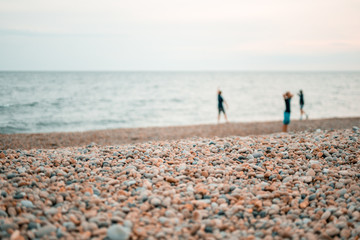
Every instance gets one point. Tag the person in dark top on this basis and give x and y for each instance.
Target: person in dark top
(302, 102)
(287, 97)
(221, 106)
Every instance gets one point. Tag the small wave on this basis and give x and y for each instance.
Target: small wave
(177, 100)
(58, 123)
(11, 130)
(17, 105)
(4, 106)
(108, 121)
(106, 100)
(47, 124)
(50, 126)
(32, 104)
(56, 104)
(144, 101)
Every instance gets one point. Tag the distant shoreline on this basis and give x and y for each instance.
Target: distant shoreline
(136, 135)
(179, 71)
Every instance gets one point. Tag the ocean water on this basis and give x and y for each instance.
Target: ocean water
(32, 102)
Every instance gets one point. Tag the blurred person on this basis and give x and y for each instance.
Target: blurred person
(287, 98)
(221, 106)
(302, 102)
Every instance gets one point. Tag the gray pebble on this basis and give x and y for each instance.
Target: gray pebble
(257, 154)
(3, 213)
(118, 232)
(342, 192)
(19, 195)
(46, 230)
(69, 225)
(27, 203)
(339, 185)
(33, 225)
(250, 156)
(155, 202)
(21, 170)
(312, 197)
(11, 175)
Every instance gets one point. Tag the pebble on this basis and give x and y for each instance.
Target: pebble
(118, 232)
(339, 185)
(46, 230)
(27, 203)
(3, 213)
(208, 229)
(312, 197)
(69, 226)
(311, 173)
(21, 170)
(33, 225)
(19, 195)
(12, 211)
(307, 179)
(326, 215)
(332, 231)
(341, 192)
(155, 202)
(11, 176)
(345, 233)
(257, 154)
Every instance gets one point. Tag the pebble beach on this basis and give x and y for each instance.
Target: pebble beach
(257, 184)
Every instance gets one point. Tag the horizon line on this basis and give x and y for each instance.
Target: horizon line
(179, 70)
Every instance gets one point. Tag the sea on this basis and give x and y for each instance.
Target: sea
(38, 102)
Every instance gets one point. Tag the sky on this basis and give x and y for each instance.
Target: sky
(177, 35)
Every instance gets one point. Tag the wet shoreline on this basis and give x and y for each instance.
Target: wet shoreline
(138, 135)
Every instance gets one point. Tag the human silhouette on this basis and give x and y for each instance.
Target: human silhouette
(302, 103)
(221, 106)
(287, 98)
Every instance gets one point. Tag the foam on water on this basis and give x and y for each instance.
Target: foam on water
(79, 101)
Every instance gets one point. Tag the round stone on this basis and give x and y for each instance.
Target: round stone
(118, 232)
(27, 204)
